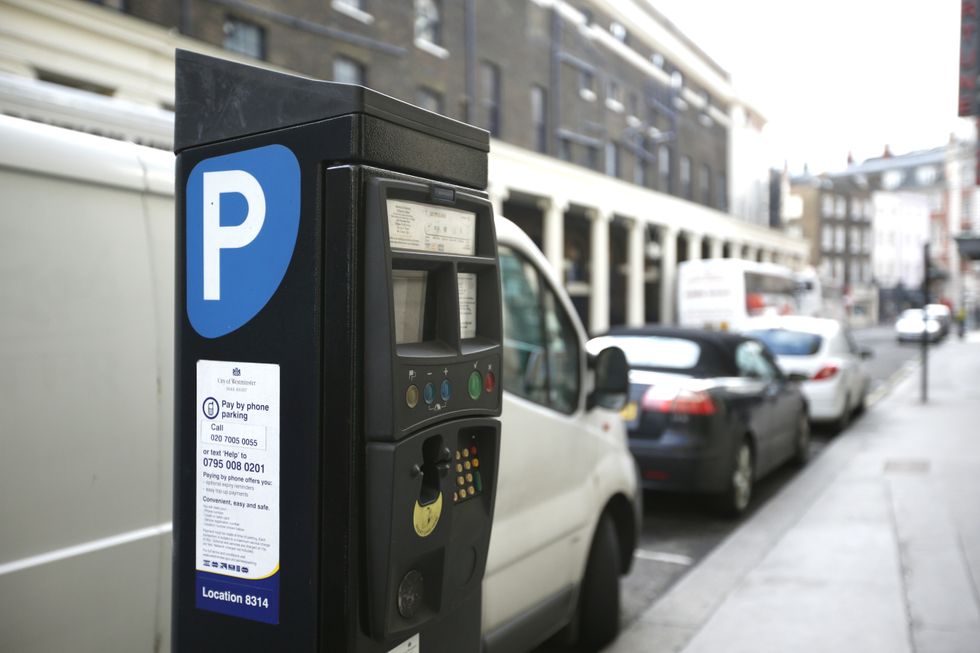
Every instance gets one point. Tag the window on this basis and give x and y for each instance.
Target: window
(839, 269)
(539, 118)
(855, 272)
(490, 96)
(685, 173)
(657, 60)
(704, 184)
(663, 167)
(565, 149)
(840, 205)
(828, 237)
(592, 157)
(633, 104)
(640, 171)
(244, 37)
(612, 159)
(430, 100)
(840, 239)
(676, 80)
(428, 21)
(586, 82)
(348, 71)
(614, 95)
(752, 363)
(721, 190)
(855, 240)
(541, 354)
(827, 206)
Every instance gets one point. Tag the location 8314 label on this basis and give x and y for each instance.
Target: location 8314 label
(237, 535)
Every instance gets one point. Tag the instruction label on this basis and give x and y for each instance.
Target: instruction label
(428, 228)
(237, 539)
(467, 304)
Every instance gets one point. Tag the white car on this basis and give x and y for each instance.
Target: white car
(822, 355)
(911, 323)
(86, 358)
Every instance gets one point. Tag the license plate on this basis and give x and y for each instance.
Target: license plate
(629, 412)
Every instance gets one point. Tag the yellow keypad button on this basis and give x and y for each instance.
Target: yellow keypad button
(466, 453)
(462, 494)
(469, 478)
(466, 465)
(471, 490)
(457, 455)
(476, 462)
(459, 468)
(460, 481)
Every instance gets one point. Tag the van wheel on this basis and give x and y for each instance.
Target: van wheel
(598, 611)
(733, 501)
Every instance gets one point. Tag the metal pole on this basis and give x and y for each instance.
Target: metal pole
(925, 324)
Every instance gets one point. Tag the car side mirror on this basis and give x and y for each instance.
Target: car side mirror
(865, 353)
(612, 379)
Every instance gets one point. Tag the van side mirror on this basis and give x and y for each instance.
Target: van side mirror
(612, 382)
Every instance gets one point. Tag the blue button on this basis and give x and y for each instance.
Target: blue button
(446, 390)
(429, 393)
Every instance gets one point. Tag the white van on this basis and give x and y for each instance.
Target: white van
(86, 403)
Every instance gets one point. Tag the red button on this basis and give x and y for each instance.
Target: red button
(489, 382)
(473, 450)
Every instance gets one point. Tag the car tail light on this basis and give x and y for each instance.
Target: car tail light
(683, 402)
(693, 403)
(825, 372)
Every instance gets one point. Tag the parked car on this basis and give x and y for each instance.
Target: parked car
(709, 412)
(942, 314)
(912, 322)
(87, 251)
(822, 355)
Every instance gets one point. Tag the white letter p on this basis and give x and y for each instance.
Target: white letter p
(217, 237)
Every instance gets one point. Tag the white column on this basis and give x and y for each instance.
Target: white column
(749, 252)
(694, 246)
(738, 250)
(766, 256)
(668, 273)
(554, 233)
(717, 248)
(599, 278)
(498, 195)
(635, 295)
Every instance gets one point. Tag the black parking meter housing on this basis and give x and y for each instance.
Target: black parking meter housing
(338, 350)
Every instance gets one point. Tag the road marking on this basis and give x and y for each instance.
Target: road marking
(882, 391)
(82, 549)
(660, 556)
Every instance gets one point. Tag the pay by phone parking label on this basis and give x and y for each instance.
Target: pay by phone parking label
(237, 506)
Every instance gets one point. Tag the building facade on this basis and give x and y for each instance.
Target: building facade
(617, 144)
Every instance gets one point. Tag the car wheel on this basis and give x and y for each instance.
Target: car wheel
(802, 452)
(598, 613)
(736, 498)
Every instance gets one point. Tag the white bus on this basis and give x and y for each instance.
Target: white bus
(719, 293)
(819, 297)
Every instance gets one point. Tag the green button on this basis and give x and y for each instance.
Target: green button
(479, 482)
(475, 385)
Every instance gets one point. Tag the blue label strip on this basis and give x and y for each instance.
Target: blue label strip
(257, 600)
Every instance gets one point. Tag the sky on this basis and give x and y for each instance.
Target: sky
(836, 76)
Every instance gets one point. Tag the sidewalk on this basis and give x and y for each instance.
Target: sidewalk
(875, 547)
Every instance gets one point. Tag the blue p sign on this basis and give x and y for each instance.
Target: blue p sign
(242, 220)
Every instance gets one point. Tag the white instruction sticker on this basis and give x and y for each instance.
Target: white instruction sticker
(467, 304)
(238, 488)
(410, 645)
(429, 228)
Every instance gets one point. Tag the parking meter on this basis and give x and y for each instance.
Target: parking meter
(338, 347)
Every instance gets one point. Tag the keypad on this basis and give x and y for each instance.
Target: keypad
(468, 482)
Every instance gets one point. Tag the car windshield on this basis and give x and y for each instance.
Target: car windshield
(783, 342)
(655, 352)
(911, 314)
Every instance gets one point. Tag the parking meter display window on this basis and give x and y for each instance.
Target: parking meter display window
(408, 303)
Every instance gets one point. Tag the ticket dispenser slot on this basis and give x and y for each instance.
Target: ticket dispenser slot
(336, 280)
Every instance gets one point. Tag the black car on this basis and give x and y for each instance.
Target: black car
(709, 412)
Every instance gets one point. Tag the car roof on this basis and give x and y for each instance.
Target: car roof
(717, 347)
(823, 326)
